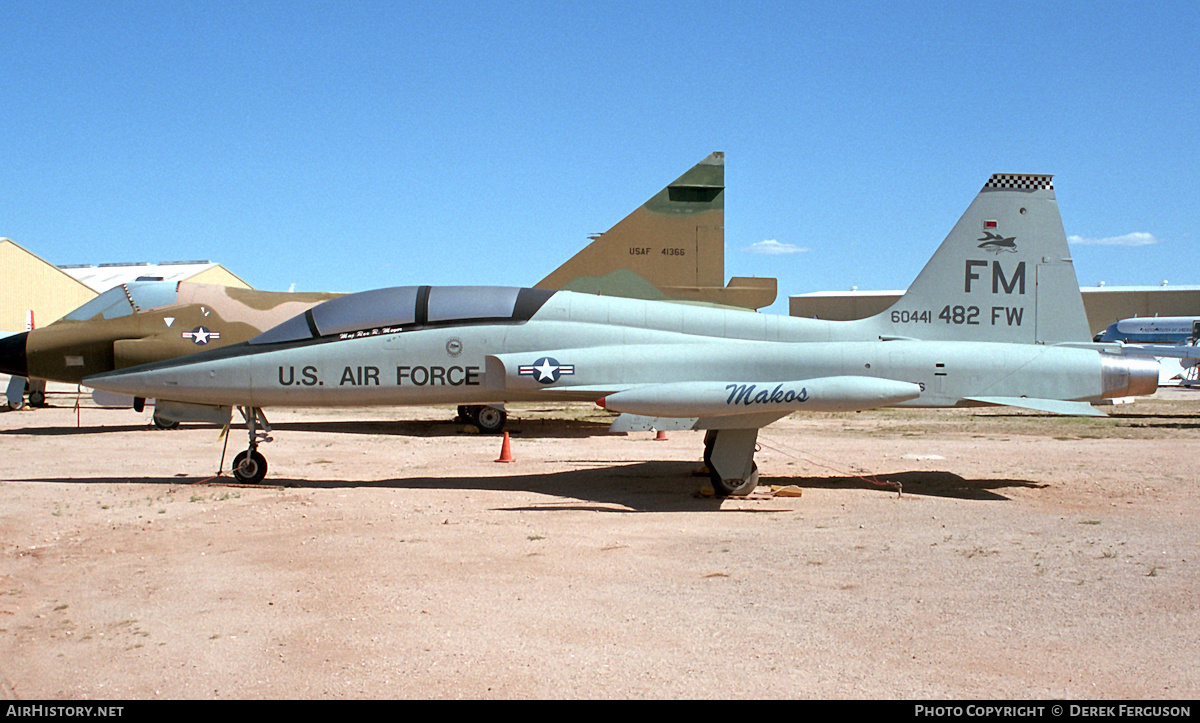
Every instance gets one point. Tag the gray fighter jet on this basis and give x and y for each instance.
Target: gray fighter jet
(670, 248)
(974, 329)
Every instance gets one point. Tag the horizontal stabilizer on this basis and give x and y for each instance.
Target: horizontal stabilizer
(1054, 406)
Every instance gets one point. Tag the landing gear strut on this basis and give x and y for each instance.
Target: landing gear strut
(250, 467)
(729, 456)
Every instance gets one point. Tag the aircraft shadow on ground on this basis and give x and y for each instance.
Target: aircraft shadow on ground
(928, 483)
(1158, 421)
(641, 487)
(665, 486)
(1136, 419)
(557, 428)
(552, 428)
(82, 430)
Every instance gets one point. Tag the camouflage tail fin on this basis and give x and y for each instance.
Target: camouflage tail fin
(1003, 274)
(672, 247)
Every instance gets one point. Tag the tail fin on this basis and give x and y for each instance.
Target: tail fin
(672, 247)
(1003, 274)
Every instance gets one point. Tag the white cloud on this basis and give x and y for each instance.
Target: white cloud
(774, 248)
(1138, 238)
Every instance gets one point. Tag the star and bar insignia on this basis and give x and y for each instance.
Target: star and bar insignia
(546, 370)
(201, 336)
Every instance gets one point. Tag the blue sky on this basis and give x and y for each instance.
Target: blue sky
(351, 145)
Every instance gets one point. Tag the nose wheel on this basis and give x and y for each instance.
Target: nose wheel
(250, 467)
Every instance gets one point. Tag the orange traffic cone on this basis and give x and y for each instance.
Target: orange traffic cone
(661, 436)
(505, 451)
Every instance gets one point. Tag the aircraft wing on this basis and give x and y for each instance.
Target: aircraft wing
(643, 423)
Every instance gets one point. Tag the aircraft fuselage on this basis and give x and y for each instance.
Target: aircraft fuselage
(567, 351)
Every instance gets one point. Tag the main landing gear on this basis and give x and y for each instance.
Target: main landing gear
(20, 387)
(489, 420)
(250, 467)
(163, 422)
(729, 456)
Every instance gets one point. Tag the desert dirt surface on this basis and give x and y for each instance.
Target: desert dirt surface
(388, 555)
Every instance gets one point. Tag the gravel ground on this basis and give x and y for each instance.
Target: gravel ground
(935, 554)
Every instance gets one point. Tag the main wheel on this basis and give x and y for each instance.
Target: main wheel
(490, 420)
(727, 487)
(164, 423)
(250, 467)
(37, 398)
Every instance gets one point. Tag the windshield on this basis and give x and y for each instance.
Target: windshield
(152, 294)
(126, 299)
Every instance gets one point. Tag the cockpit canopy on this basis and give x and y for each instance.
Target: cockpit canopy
(399, 308)
(127, 299)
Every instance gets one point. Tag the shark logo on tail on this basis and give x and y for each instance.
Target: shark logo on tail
(996, 243)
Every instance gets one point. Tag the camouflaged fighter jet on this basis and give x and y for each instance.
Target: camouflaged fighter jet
(672, 247)
(974, 329)
(147, 321)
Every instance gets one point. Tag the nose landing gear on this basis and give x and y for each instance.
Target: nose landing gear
(250, 467)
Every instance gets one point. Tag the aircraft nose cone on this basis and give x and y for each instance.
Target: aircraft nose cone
(12, 355)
